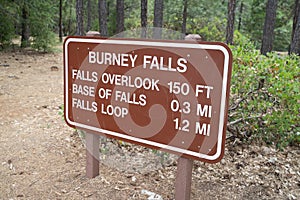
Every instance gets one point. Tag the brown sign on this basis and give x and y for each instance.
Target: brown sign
(169, 95)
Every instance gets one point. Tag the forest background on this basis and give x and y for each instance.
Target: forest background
(264, 36)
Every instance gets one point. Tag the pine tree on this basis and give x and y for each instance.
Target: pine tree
(25, 26)
(120, 16)
(184, 17)
(295, 44)
(269, 26)
(79, 17)
(230, 21)
(89, 16)
(103, 18)
(60, 34)
(144, 18)
(158, 18)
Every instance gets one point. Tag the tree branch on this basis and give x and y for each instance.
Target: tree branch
(242, 119)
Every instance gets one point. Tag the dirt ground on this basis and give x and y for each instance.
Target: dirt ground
(42, 158)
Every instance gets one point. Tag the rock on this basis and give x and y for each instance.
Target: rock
(290, 196)
(92, 33)
(223, 162)
(193, 37)
(265, 151)
(4, 65)
(54, 68)
(13, 76)
(133, 181)
(272, 160)
(152, 195)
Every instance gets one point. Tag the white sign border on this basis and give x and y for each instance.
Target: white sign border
(155, 44)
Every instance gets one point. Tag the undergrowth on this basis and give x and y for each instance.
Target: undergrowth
(265, 99)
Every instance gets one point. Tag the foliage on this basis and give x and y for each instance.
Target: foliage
(132, 15)
(69, 17)
(61, 112)
(210, 30)
(173, 15)
(242, 42)
(265, 96)
(41, 30)
(253, 22)
(112, 18)
(7, 20)
(41, 21)
(284, 23)
(207, 18)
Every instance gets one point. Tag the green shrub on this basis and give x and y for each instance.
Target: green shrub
(210, 30)
(6, 29)
(44, 41)
(265, 96)
(41, 22)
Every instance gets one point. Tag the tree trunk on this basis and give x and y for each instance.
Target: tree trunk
(268, 33)
(79, 17)
(70, 14)
(107, 9)
(240, 16)
(295, 44)
(184, 17)
(60, 21)
(120, 16)
(158, 18)
(25, 27)
(230, 22)
(103, 18)
(89, 16)
(296, 14)
(144, 18)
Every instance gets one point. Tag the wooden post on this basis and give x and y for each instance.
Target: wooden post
(92, 155)
(92, 143)
(183, 179)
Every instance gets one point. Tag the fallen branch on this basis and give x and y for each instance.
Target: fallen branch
(242, 99)
(243, 119)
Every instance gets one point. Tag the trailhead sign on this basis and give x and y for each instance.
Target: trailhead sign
(168, 95)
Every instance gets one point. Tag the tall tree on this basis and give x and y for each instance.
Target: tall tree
(158, 18)
(120, 16)
(296, 14)
(79, 17)
(184, 17)
(240, 15)
(89, 16)
(230, 21)
(295, 44)
(103, 18)
(144, 8)
(25, 26)
(269, 26)
(69, 18)
(60, 21)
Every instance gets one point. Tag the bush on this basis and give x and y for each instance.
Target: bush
(210, 30)
(265, 96)
(41, 22)
(6, 29)
(44, 41)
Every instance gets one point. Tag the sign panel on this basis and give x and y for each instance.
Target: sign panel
(168, 95)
